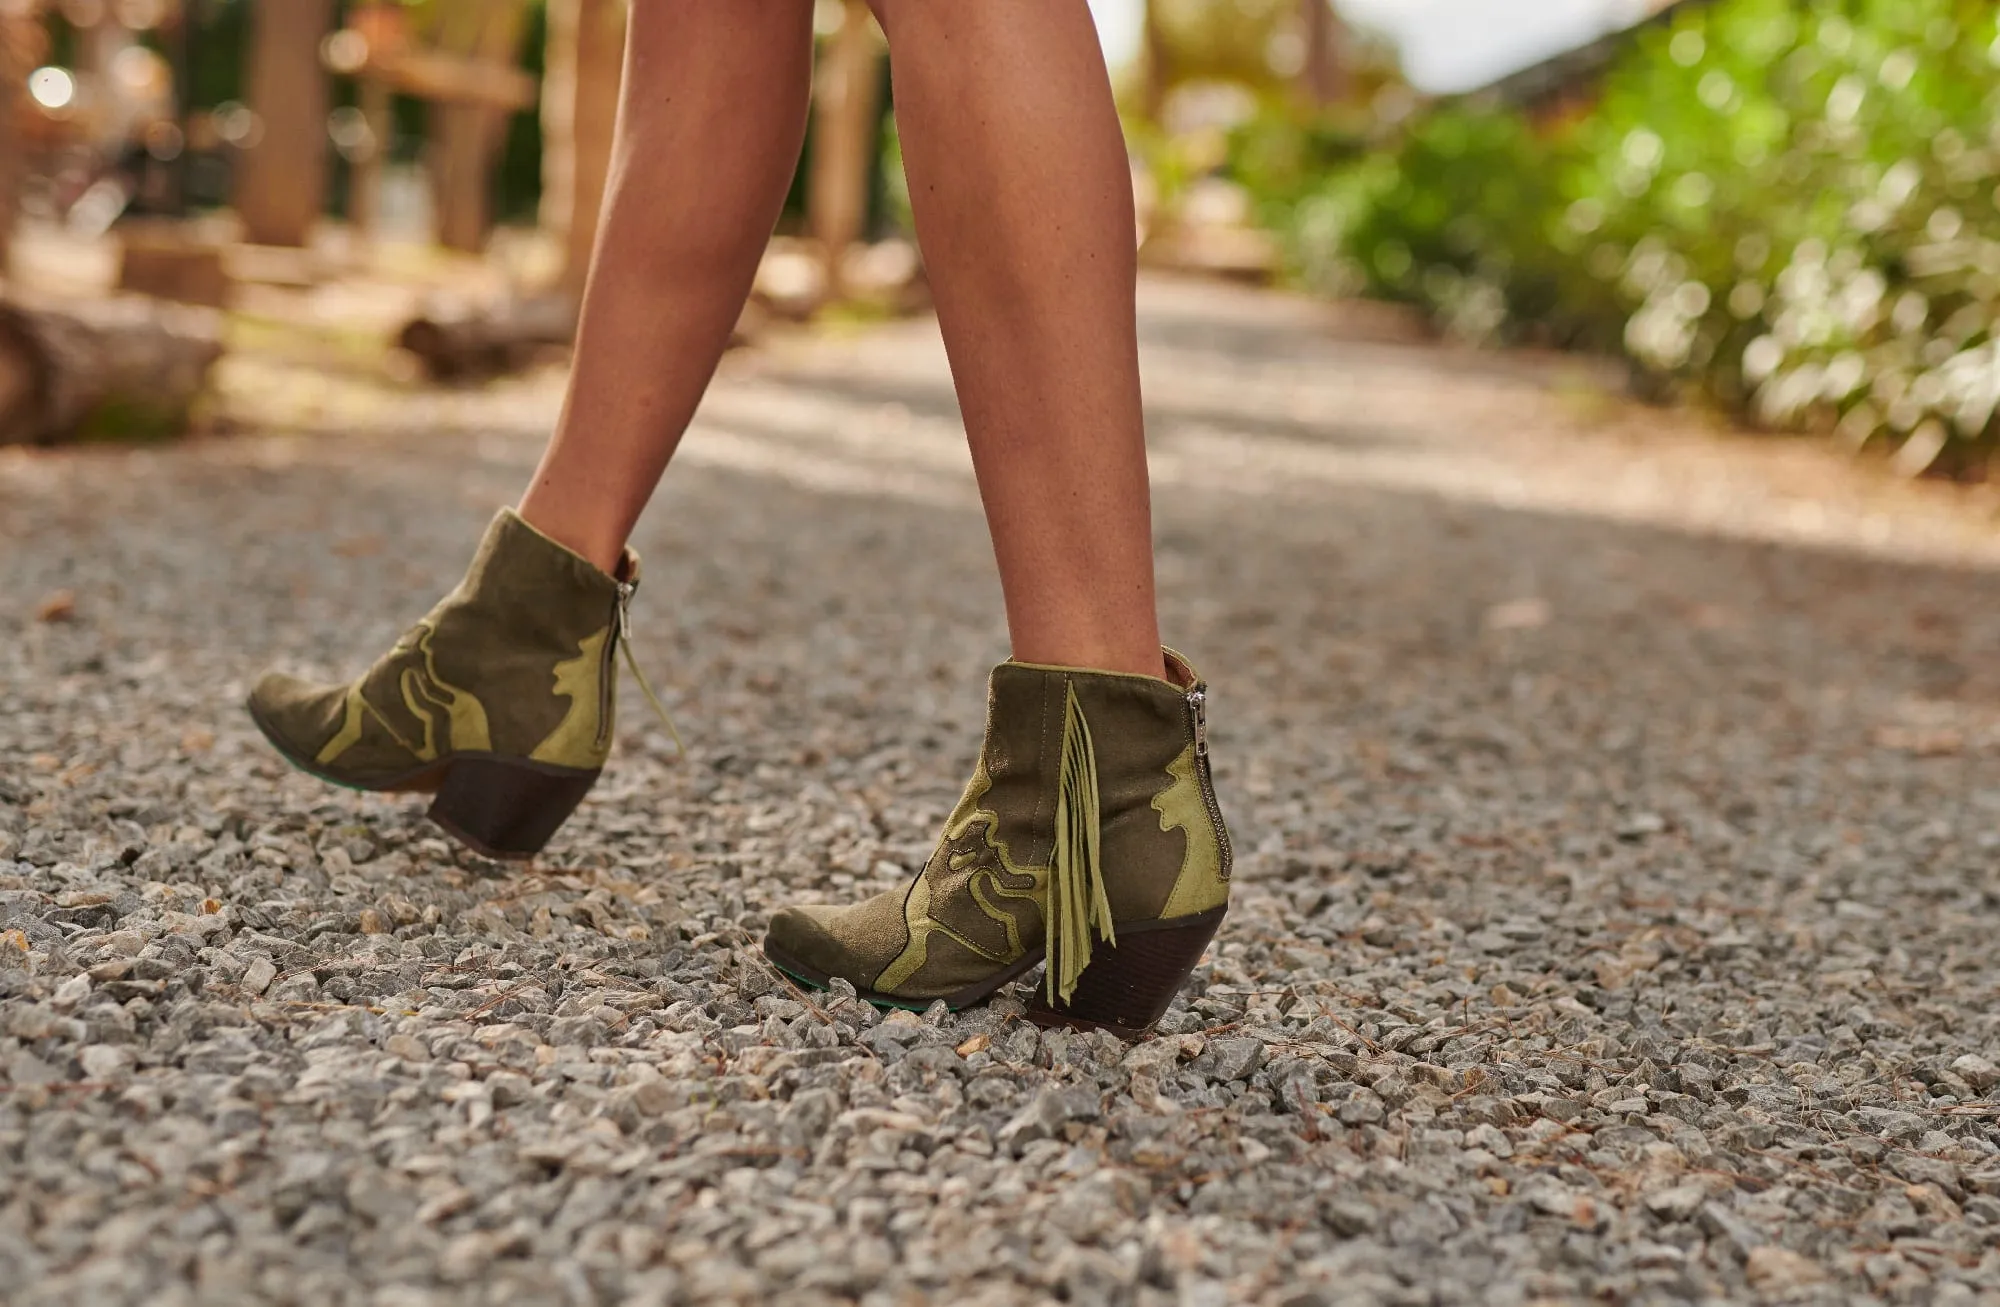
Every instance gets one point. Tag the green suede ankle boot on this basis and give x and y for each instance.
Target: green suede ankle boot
(1088, 839)
(500, 701)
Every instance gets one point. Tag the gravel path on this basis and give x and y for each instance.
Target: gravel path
(1618, 805)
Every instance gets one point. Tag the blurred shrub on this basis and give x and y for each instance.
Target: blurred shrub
(1283, 156)
(1789, 207)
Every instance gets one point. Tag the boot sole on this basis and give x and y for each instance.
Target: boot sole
(502, 808)
(1126, 989)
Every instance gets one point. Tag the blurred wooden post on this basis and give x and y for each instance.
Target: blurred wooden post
(281, 185)
(583, 71)
(1323, 79)
(848, 113)
(465, 134)
(1156, 64)
(364, 192)
(384, 33)
(15, 53)
(470, 97)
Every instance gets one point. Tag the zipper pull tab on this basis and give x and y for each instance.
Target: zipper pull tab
(625, 590)
(1198, 705)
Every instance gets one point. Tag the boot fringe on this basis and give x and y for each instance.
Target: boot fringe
(1078, 907)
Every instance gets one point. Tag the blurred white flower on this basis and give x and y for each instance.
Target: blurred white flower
(1898, 68)
(1586, 215)
(1647, 267)
(1920, 450)
(1859, 424)
(1843, 375)
(1716, 89)
(1761, 358)
(1899, 183)
(1927, 390)
(1972, 385)
(1694, 190)
(1860, 300)
(1868, 216)
(1786, 394)
(1643, 149)
(1911, 312)
(1846, 99)
(1905, 412)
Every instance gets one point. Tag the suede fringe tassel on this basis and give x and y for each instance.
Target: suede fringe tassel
(1077, 906)
(625, 589)
(646, 687)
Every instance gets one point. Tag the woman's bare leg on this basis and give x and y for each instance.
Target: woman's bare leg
(709, 129)
(1024, 205)
(1023, 202)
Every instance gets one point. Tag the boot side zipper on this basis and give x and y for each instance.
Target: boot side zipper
(621, 630)
(619, 639)
(1197, 700)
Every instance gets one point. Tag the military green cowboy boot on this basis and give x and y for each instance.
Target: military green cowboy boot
(500, 701)
(1089, 840)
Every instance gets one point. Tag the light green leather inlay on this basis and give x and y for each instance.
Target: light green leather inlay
(349, 733)
(1200, 885)
(465, 715)
(574, 741)
(917, 906)
(428, 697)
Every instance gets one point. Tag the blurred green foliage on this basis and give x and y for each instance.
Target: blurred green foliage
(1786, 206)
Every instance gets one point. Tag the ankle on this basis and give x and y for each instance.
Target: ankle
(581, 536)
(1148, 660)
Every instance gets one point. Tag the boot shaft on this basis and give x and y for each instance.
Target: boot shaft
(514, 663)
(1163, 847)
(535, 628)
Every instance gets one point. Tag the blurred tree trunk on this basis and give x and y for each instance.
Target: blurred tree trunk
(364, 179)
(584, 68)
(15, 52)
(1324, 77)
(1158, 63)
(466, 137)
(281, 185)
(849, 115)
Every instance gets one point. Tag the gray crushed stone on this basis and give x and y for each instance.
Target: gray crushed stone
(1615, 919)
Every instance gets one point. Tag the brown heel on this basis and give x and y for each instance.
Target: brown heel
(1128, 987)
(507, 809)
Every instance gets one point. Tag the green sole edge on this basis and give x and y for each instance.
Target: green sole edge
(818, 987)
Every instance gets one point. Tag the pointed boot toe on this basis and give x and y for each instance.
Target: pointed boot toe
(308, 723)
(296, 715)
(809, 943)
